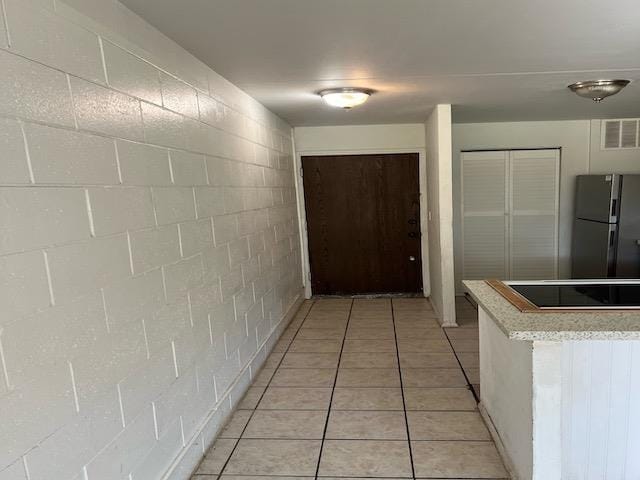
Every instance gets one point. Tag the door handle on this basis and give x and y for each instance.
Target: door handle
(413, 221)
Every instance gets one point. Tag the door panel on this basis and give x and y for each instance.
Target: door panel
(484, 207)
(591, 249)
(363, 221)
(533, 247)
(628, 254)
(484, 248)
(594, 194)
(483, 182)
(533, 208)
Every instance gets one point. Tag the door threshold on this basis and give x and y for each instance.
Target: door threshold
(373, 295)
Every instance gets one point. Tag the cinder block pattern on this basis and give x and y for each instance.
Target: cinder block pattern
(35, 92)
(38, 217)
(162, 127)
(81, 268)
(106, 111)
(117, 209)
(179, 96)
(188, 168)
(209, 201)
(24, 286)
(148, 248)
(196, 236)
(131, 74)
(14, 167)
(181, 277)
(142, 164)
(154, 247)
(173, 204)
(67, 157)
(52, 40)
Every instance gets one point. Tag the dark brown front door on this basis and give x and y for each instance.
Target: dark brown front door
(363, 221)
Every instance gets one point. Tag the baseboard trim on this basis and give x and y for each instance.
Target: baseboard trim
(506, 459)
(439, 315)
(195, 448)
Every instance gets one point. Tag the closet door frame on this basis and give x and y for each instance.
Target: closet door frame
(508, 204)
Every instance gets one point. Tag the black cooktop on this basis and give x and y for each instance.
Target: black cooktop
(596, 295)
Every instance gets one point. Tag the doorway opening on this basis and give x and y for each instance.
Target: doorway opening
(363, 223)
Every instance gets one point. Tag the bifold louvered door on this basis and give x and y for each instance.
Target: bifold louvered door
(510, 214)
(484, 208)
(533, 214)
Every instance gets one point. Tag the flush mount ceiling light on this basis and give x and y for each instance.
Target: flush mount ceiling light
(597, 90)
(345, 98)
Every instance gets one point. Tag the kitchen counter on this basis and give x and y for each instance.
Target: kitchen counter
(554, 326)
(559, 389)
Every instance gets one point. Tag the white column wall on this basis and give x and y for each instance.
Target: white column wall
(440, 214)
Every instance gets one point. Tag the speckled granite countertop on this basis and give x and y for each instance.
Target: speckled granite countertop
(554, 326)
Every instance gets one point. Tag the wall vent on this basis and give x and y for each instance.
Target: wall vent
(620, 133)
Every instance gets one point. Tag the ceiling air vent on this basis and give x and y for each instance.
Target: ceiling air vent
(622, 133)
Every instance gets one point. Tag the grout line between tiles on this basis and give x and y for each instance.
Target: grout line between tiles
(333, 390)
(404, 402)
(353, 409)
(206, 475)
(368, 439)
(464, 372)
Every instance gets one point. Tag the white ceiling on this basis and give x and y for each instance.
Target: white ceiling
(494, 60)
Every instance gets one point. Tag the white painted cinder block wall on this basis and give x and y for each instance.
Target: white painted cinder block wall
(149, 247)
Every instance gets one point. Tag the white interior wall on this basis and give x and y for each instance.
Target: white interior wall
(360, 139)
(581, 154)
(149, 248)
(571, 136)
(440, 214)
(611, 161)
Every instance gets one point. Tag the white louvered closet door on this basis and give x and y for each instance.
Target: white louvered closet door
(484, 208)
(533, 214)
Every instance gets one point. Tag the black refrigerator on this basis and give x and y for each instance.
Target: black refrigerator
(606, 227)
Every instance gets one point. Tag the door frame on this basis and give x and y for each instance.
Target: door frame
(302, 213)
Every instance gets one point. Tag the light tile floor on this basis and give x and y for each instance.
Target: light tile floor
(365, 388)
(464, 340)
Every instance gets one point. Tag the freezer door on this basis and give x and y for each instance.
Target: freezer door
(597, 197)
(592, 254)
(628, 251)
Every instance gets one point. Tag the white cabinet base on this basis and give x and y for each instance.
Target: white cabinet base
(562, 410)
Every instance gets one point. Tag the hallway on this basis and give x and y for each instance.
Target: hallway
(358, 388)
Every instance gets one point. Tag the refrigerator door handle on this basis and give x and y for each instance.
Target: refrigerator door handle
(612, 251)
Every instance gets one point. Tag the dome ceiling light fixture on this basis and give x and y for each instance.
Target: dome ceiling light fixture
(598, 90)
(345, 98)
